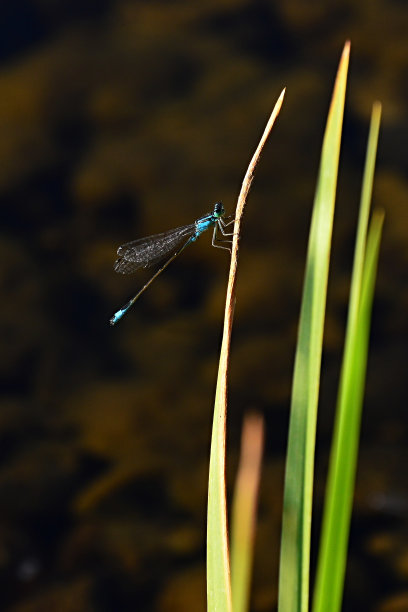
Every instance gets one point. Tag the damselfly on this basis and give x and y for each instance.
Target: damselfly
(148, 251)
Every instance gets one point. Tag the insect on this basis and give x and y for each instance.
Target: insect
(146, 252)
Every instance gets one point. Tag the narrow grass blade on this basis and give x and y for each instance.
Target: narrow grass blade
(295, 546)
(218, 565)
(342, 469)
(244, 506)
(218, 571)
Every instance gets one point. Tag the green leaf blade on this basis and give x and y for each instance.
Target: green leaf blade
(342, 469)
(295, 546)
(218, 566)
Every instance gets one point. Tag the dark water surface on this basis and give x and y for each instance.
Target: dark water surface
(122, 119)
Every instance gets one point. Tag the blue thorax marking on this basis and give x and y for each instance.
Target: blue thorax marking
(204, 223)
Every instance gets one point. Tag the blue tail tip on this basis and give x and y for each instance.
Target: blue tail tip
(116, 317)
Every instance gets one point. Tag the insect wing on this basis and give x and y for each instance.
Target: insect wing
(146, 252)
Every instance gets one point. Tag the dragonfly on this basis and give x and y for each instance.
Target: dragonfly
(149, 251)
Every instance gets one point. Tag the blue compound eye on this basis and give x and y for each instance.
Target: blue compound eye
(219, 209)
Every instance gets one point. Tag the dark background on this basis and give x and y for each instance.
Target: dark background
(120, 119)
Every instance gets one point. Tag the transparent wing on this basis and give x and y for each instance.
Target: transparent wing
(146, 252)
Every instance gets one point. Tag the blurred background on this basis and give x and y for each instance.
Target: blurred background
(120, 119)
